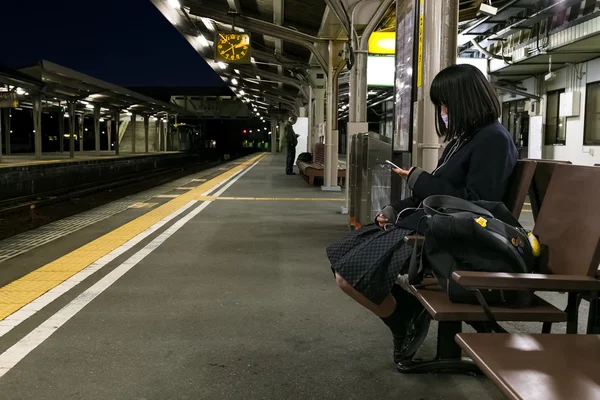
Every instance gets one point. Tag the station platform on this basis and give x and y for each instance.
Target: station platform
(23, 175)
(28, 159)
(215, 286)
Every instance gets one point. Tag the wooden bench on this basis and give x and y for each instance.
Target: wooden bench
(568, 225)
(538, 367)
(316, 168)
(539, 184)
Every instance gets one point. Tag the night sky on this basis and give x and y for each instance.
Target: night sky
(125, 42)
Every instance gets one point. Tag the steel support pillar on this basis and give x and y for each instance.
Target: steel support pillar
(97, 129)
(81, 131)
(117, 121)
(133, 122)
(6, 128)
(360, 91)
(109, 134)
(331, 135)
(157, 135)
(61, 130)
(319, 112)
(273, 135)
(439, 51)
(37, 127)
(146, 132)
(166, 134)
(281, 134)
(311, 119)
(72, 129)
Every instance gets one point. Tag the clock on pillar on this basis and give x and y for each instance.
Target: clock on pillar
(233, 47)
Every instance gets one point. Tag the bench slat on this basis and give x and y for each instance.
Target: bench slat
(538, 367)
(539, 282)
(442, 309)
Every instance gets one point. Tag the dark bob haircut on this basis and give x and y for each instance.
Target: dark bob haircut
(471, 100)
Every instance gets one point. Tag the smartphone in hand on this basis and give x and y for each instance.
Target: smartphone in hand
(392, 164)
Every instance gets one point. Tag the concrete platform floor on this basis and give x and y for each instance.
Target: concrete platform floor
(239, 302)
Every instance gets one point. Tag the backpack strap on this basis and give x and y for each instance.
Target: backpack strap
(433, 204)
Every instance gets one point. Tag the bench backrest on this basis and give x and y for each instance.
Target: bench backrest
(539, 184)
(319, 153)
(519, 183)
(569, 220)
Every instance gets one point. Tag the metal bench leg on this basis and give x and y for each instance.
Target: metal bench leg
(547, 327)
(593, 325)
(449, 354)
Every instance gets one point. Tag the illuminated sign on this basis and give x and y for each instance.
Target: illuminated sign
(380, 70)
(382, 43)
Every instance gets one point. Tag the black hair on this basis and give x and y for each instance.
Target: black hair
(471, 100)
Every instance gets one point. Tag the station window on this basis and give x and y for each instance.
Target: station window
(556, 127)
(592, 115)
(516, 120)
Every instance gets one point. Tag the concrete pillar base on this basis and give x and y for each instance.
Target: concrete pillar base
(331, 188)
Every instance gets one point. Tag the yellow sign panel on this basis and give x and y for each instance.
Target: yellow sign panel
(382, 43)
(233, 47)
(420, 55)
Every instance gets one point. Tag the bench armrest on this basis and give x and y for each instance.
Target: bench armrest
(538, 282)
(411, 239)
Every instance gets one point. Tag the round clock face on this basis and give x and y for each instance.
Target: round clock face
(233, 46)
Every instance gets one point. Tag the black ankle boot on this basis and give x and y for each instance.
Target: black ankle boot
(398, 322)
(409, 324)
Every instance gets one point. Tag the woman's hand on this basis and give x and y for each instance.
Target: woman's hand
(381, 220)
(402, 172)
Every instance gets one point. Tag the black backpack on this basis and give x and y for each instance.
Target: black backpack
(473, 236)
(305, 157)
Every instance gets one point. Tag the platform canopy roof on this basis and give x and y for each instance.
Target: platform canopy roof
(288, 37)
(58, 85)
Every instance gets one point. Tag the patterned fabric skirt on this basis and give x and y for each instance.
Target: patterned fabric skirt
(370, 259)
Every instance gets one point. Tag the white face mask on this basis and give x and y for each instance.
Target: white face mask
(445, 119)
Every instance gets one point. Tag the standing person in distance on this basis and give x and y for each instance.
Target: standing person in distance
(291, 140)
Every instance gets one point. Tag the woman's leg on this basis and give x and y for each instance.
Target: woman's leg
(395, 311)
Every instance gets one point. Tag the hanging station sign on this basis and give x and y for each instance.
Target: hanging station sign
(233, 47)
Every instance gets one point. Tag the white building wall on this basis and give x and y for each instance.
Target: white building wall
(574, 150)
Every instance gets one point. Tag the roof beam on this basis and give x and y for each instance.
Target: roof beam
(278, 59)
(234, 5)
(275, 77)
(312, 43)
(278, 20)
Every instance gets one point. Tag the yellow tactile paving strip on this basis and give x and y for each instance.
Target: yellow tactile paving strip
(28, 288)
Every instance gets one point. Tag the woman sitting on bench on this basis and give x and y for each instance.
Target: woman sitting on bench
(475, 165)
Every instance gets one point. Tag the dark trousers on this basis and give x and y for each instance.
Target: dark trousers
(291, 157)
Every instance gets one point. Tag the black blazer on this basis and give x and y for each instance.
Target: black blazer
(473, 168)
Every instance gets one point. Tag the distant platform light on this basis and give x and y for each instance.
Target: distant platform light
(234, 81)
(222, 65)
(174, 4)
